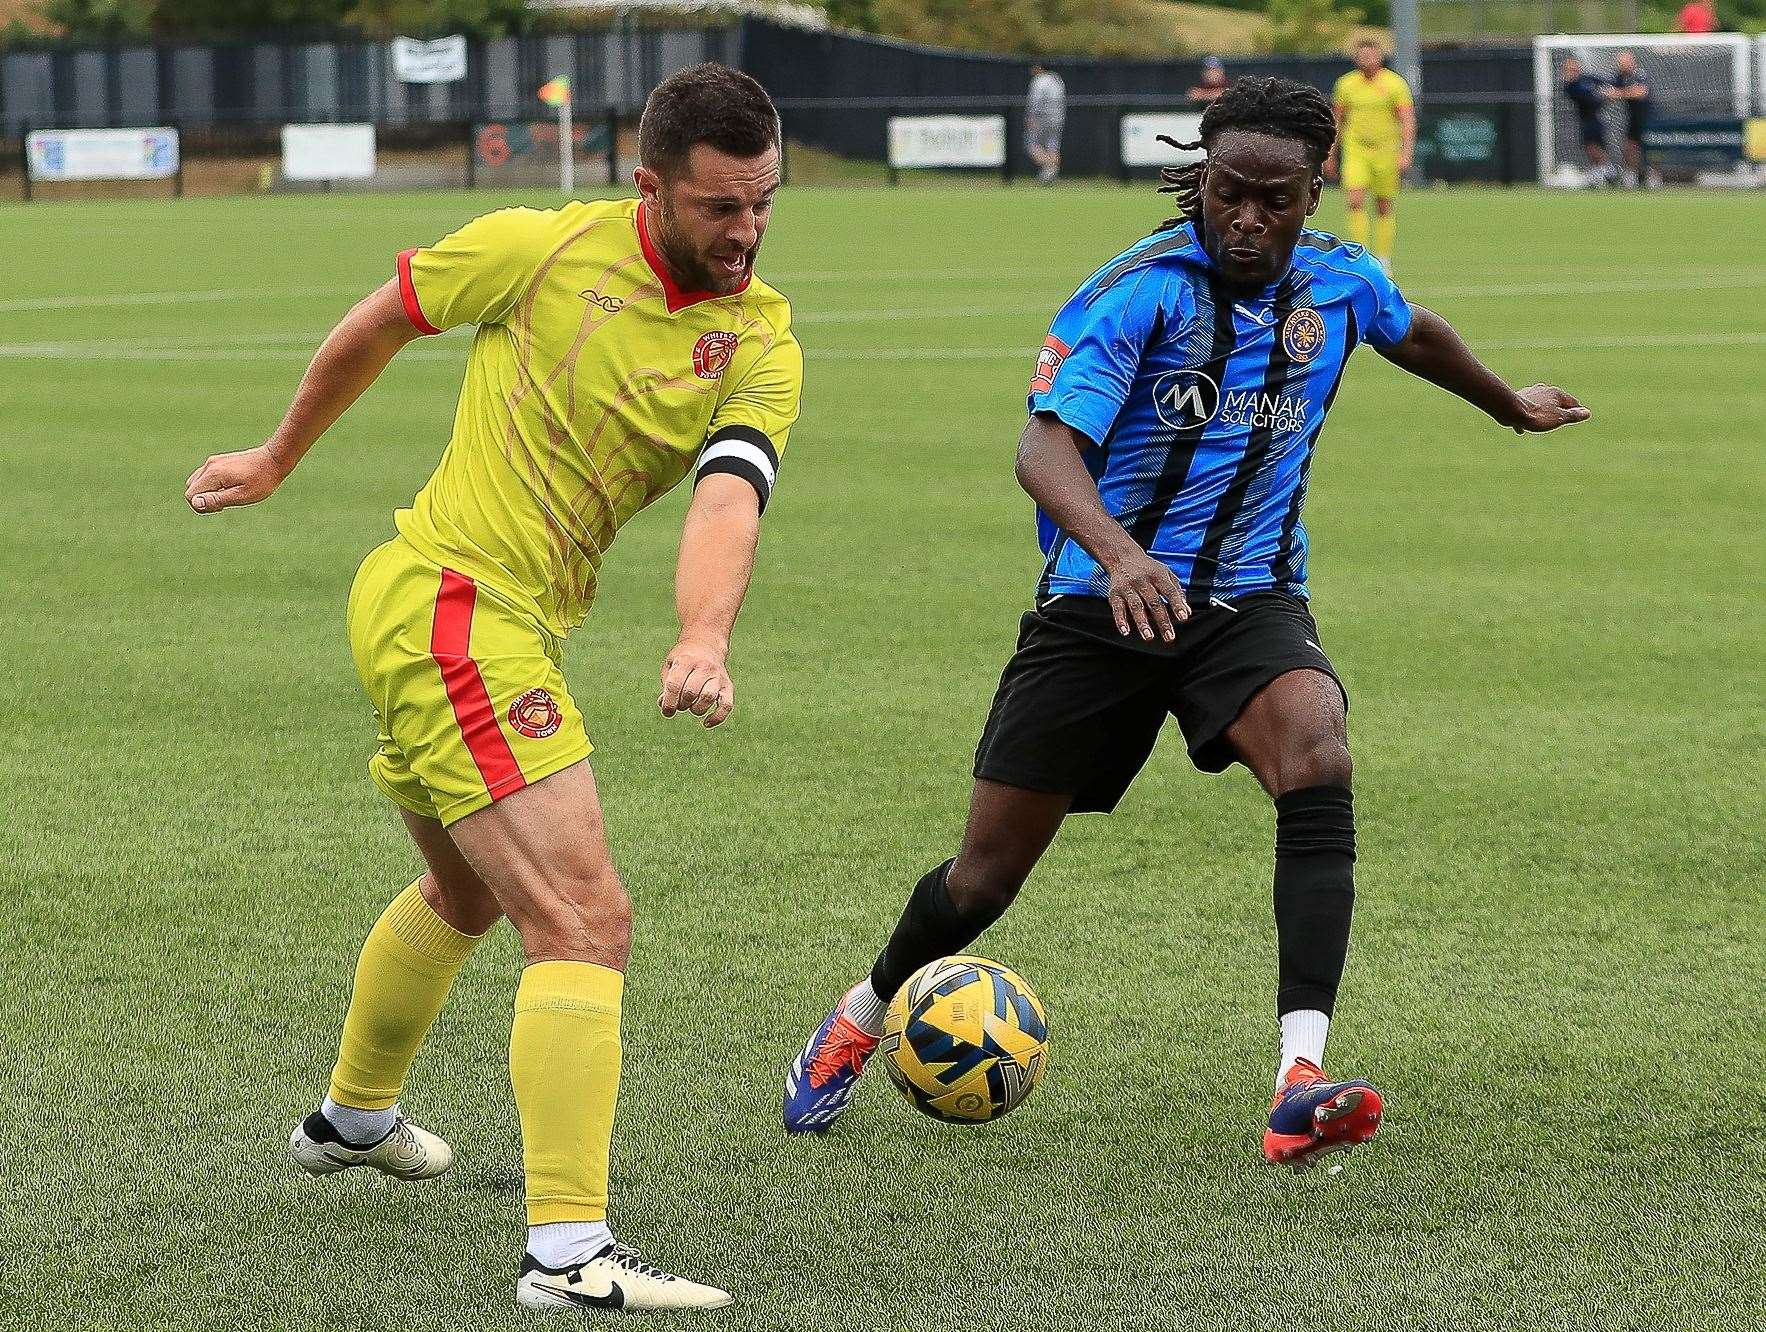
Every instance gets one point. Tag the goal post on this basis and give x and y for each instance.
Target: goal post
(1692, 77)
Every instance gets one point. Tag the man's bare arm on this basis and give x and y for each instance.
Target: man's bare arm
(1144, 594)
(1432, 350)
(711, 578)
(347, 362)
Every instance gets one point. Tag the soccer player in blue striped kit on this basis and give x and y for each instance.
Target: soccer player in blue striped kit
(1174, 412)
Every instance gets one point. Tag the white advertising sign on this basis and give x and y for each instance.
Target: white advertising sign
(123, 154)
(327, 152)
(440, 61)
(947, 141)
(1140, 137)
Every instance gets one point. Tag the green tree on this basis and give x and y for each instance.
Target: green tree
(860, 14)
(439, 18)
(221, 17)
(1307, 27)
(1035, 27)
(101, 18)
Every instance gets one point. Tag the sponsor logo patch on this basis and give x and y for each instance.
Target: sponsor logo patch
(1048, 364)
(611, 304)
(712, 353)
(1186, 399)
(1275, 412)
(1303, 335)
(536, 714)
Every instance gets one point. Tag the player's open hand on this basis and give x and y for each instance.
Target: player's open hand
(695, 680)
(228, 480)
(1146, 598)
(1542, 407)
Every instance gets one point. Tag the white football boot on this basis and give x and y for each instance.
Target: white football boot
(407, 1152)
(615, 1278)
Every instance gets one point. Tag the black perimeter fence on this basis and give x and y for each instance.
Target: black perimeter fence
(836, 93)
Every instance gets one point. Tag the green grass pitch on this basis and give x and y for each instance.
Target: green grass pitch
(1553, 645)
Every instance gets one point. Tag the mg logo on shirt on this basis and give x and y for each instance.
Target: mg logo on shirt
(1186, 399)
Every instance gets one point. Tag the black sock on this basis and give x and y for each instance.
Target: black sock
(1314, 894)
(930, 927)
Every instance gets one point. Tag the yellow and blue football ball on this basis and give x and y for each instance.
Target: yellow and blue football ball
(965, 1040)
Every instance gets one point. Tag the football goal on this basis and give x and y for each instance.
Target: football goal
(1692, 79)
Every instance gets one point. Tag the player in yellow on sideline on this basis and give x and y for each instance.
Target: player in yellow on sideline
(620, 346)
(1376, 128)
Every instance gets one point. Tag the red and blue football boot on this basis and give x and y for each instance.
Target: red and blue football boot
(1312, 1117)
(820, 1084)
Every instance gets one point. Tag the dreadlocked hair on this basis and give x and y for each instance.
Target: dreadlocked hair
(1279, 107)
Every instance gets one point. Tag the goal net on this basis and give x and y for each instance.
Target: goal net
(1691, 78)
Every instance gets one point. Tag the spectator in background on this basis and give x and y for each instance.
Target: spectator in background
(1588, 94)
(1631, 86)
(1212, 85)
(1697, 16)
(1045, 114)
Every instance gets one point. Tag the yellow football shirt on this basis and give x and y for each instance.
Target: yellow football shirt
(1370, 110)
(594, 385)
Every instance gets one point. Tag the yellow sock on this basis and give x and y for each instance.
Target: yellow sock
(1385, 233)
(407, 967)
(564, 1063)
(1358, 225)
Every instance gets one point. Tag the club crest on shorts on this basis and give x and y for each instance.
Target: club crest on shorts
(536, 714)
(1048, 364)
(712, 353)
(1303, 335)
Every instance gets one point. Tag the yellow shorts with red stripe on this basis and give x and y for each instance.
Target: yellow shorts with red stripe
(468, 690)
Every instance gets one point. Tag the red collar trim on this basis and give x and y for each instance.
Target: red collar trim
(672, 295)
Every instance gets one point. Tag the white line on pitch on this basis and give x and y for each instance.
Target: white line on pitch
(302, 348)
(169, 297)
(1690, 280)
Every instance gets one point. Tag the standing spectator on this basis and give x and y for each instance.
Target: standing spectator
(1697, 16)
(1045, 113)
(1631, 86)
(1588, 94)
(1212, 85)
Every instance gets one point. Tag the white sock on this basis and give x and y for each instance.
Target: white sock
(1303, 1037)
(359, 1128)
(565, 1243)
(863, 1008)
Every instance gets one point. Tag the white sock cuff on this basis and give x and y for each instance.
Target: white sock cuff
(863, 1008)
(566, 1243)
(359, 1127)
(1304, 1032)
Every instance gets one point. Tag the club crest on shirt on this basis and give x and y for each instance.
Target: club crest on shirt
(1048, 364)
(1303, 335)
(536, 714)
(712, 353)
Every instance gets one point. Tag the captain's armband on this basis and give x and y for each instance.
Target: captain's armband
(743, 451)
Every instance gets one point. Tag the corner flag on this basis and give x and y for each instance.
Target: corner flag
(556, 93)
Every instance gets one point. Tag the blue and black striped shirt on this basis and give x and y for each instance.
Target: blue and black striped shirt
(1205, 404)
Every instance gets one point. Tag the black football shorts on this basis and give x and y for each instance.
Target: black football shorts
(1080, 706)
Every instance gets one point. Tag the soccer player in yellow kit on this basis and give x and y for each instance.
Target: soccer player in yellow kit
(1376, 127)
(620, 347)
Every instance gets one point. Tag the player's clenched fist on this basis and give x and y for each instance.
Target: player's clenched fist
(231, 479)
(694, 680)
